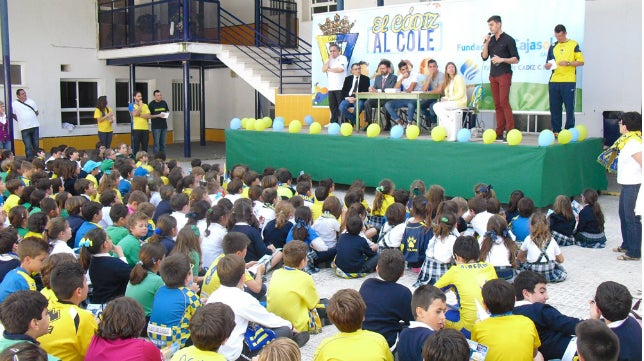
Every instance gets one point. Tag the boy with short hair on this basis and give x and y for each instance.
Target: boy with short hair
(70, 327)
(284, 179)
(125, 170)
(180, 206)
(292, 293)
(117, 231)
(24, 317)
(134, 199)
(107, 199)
(321, 194)
(596, 342)
(387, 315)
(210, 327)
(31, 252)
(174, 304)
(346, 311)
(478, 215)
(142, 161)
(15, 188)
(520, 341)
(247, 309)
(131, 244)
(303, 189)
(428, 303)
(446, 345)
(555, 330)
(166, 192)
(613, 303)
(92, 212)
(84, 187)
(355, 257)
(234, 243)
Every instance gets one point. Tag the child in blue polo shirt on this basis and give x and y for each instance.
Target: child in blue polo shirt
(31, 252)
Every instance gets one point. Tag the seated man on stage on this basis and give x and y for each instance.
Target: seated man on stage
(381, 82)
(355, 82)
(407, 82)
(433, 85)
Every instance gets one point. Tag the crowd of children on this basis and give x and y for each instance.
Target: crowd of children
(122, 249)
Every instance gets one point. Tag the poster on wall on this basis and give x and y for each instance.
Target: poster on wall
(450, 31)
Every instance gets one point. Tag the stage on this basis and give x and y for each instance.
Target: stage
(541, 173)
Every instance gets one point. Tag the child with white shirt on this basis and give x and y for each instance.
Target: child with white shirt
(392, 231)
(58, 233)
(498, 248)
(438, 256)
(327, 225)
(479, 216)
(428, 304)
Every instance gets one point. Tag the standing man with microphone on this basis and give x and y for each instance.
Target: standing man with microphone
(502, 49)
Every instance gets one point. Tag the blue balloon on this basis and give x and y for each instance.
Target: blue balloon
(397, 131)
(463, 135)
(235, 123)
(278, 125)
(334, 129)
(575, 134)
(308, 120)
(546, 138)
(280, 119)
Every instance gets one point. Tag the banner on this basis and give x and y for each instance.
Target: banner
(451, 31)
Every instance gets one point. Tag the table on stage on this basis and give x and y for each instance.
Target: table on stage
(389, 96)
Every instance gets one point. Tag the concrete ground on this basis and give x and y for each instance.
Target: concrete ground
(587, 268)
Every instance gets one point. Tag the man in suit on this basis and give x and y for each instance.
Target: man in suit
(354, 83)
(385, 79)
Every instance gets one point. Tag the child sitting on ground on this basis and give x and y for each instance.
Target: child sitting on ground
(144, 279)
(131, 244)
(327, 226)
(291, 293)
(174, 304)
(466, 279)
(612, 302)
(540, 253)
(520, 341)
(478, 215)
(31, 252)
(562, 221)
(70, 327)
(118, 230)
(520, 225)
(392, 231)
(513, 205)
(555, 330)
(595, 341)
(346, 311)
(355, 258)
(276, 231)
(210, 327)
(109, 274)
(387, 315)
(247, 309)
(590, 228)
(383, 199)
(438, 256)
(446, 345)
(417, 234)
(498, 249)
(429, 307)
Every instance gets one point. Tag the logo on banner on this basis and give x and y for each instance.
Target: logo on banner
(469, 70)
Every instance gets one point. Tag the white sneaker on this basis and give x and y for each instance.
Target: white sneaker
(327, 125)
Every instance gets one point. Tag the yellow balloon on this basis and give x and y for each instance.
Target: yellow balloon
(412, 132)
(346, 129)
(373, 130)
(565, 136)
(244, 123)
(489, 136)
(514, 137)
(583, 132)
(315, 128)
(260, 125)
(439, 133)
(267, 122)
(294, 126)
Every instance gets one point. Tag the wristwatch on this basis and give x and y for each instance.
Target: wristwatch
(569, 63)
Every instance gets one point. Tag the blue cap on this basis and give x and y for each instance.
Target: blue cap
(90, 165)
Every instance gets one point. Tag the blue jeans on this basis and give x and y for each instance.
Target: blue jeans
(159, 135)
(344, 110)
(562, 93)
(630, 223)
(427, 111)
(30, 138)
(5, 145)
(105, 138)
(395, 104)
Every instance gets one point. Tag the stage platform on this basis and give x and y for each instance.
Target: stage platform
(541, 173)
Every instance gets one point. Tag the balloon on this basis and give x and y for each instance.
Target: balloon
(235, 123)
(315, 128)
(373, 130)
(463, 135)
(412, 132)
(244, 123)
(267, 122)
(583, 131)
(278, 125)
(346, 129)
(514, 137)
(489, 136)
(565, 136)
(397, 131)
(575, 134)
(250, 124)
(308, 120)
(546, 138)
(279, 119)
(294, 126)
(259, 125)
(334, 129)
(439, 133)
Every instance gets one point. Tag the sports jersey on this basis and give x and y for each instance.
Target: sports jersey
(70, 331)
(360, 345)
(192, 353)
(519, 340)
(171, 313)
(568, 51)
(291, 294)
(104, 125)
(140, 123)
(211, 278)
(16, 280)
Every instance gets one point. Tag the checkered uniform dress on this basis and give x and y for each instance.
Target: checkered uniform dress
(591, 240)
(549, 269)
(562, 239)
(431, 271)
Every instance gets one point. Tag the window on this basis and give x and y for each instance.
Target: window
(123, 100)
(177, 97)
(16, 74)
(323, 6)
(78, 101)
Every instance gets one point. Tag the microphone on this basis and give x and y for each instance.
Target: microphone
(490, 34)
